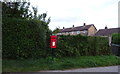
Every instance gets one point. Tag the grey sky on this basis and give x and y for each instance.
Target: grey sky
(65, 13)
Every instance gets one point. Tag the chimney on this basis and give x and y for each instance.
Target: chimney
(73, 25)
(106, 27)
(84, 24)
(63, 27)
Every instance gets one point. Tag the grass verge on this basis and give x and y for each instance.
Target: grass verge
(33, 65)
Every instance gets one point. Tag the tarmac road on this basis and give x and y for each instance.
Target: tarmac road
(94, 69)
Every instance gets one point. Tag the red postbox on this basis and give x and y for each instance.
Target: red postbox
(53, 41)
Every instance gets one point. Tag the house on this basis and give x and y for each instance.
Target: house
(88, 30)
(107, 33)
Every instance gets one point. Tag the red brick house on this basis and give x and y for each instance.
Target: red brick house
(88, 30)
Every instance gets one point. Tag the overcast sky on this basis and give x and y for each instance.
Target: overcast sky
(65, 13)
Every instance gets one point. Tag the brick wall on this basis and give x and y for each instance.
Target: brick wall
(91, 31)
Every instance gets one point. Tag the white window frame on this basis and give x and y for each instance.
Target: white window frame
(72, 32)
(84, 31)
(78, 32)
(68, 32)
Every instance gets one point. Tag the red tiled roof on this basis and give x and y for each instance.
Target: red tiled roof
(79, 28)
(106, 32)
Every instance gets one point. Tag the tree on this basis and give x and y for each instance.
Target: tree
(57, 30)
(16, 10)
(25, 34)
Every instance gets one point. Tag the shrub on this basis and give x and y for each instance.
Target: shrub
(116, 38)
(78, 45)
(23, 39)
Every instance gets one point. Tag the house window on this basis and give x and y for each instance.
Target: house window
(84, 31)
(68, 32)
(63, 33)
(78, 32)
(72, 32)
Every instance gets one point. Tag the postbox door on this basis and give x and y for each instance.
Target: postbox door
(53, 42)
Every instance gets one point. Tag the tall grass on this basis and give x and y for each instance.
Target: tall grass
(32, 65)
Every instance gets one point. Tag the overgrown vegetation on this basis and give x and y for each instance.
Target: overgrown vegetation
(78, 45)
(116, 38)
(34, 65)
(25, 35)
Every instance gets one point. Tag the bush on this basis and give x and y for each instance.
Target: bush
(25, 33)
(116, 38)
(23, 39)
(78, 45)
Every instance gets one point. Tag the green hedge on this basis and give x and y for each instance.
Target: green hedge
(23, 39)
(116, 38)
(78, 45)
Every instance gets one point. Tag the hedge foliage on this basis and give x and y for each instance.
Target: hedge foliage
(27, 39)
(23, 39)
(26, 35)
(68, 46)
(116, 38)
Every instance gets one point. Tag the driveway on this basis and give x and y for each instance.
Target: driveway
(94, 69)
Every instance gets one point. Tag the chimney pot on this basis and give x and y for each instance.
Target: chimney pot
(73, 25)
(63, 27)
(106, 27)
(84, 24)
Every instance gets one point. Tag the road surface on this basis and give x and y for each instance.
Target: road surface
(94, 69)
